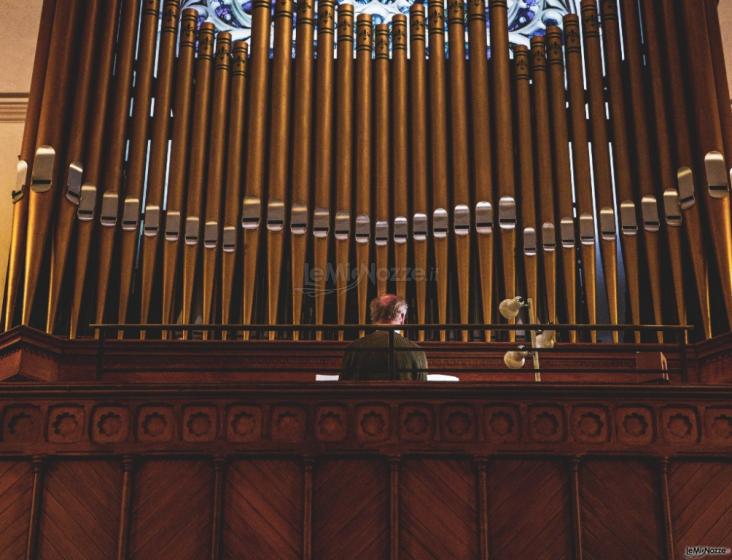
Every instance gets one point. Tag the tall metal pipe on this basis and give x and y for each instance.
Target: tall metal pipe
(257, 140)
(91, 188)
(419, 159)
(545, 176)
(278, 166)
(363, 145)
(482, 160)
(234, 172)
(215, 176)
(66, 205)
(601, 156)
(159, 144)
(302, 154)
(324, 134)
(344, 158)
(179, 157)
(581, 162)
(461, 218)
(438, 155)
(25, 163)
(49, 157)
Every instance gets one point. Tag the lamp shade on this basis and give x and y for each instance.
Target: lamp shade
(509, 308)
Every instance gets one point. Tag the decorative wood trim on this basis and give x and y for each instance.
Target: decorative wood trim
(13, 107)
(666, 504)
(123, 541)
(482, 463)
(394, 464)
(576, 505)
(217, 510)
(307, 509)
(37, 464)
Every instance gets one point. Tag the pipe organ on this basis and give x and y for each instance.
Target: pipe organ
(168, 174)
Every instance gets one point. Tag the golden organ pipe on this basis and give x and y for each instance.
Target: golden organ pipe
(418, 133)
(438, 155)
(669, 193)
(526, 171)
(461, 217)
(197, 166)
(75, 156)
(255, 166)
(344, 157)
(179, 157)
(158, 154)
(710, 144)
(646, 202)
(25, 162)
(621, 156)
(600, 156)
(279, 145)
(234, 172)
(686, 178)
(482, 160)
(545, 177)
(324, 108)
(581, 161)
(47, 165)
(563, 180)
(382, 181)
(302, 155)
(135, 171)
(363, 133)
(502, 117)
(215, 174)
(364, 43)
(400, 111)
(113, 166)
(90, 190)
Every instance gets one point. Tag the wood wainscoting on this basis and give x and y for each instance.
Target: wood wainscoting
(371, 470)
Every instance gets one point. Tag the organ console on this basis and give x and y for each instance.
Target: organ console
(171, 175)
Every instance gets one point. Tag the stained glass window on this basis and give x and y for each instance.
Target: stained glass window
(526, 17)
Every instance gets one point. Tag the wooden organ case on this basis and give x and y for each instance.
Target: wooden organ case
(172, 174)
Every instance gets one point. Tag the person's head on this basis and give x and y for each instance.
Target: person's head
(388, 309)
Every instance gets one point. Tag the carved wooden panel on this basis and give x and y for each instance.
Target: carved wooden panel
(171, 510)
(263, 509)
(16, 486)
(350, 509)
(80, 510)
(621, 510)
(437, 510)
(528, 509)
(701, 502)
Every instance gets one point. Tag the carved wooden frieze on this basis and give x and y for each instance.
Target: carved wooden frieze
(344, 418)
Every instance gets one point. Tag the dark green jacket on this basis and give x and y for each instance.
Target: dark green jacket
(367, 359)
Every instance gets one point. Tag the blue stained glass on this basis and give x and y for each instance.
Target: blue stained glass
(526, 18)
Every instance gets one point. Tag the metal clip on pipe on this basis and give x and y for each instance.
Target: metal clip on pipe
(87, 203)
(43, 169)
(73, 182)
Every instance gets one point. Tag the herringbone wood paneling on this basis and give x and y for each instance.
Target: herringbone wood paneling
(438, 509)
(263, 510)
(701, 503)
(621, 510)
(528, 510)
(80, 510)
(16, 487)
(351, 510)
(171, 510)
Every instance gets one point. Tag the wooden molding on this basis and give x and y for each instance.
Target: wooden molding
(13, 107)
